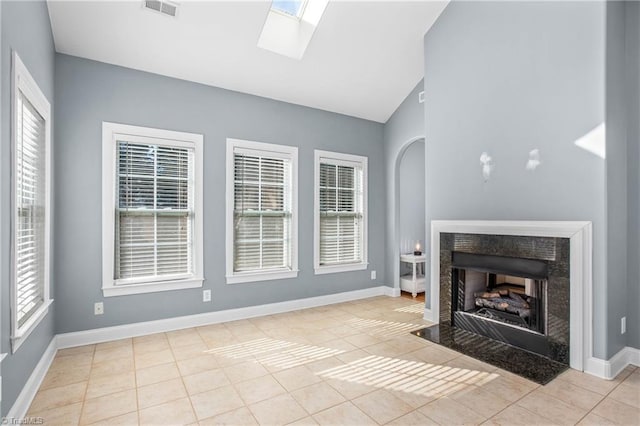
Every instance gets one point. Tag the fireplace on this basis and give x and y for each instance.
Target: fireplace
(512, 289)
(565, 316)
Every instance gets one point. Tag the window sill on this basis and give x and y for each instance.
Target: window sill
(27, 328)
(261, 276)
(320, 270)
(125, 290)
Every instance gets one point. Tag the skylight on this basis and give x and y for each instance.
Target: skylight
(289, 26)
(293, 8)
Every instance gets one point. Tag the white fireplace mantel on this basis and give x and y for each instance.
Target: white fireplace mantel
(580, 272)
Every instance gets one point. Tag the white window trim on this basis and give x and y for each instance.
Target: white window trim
(109, 132)
(261, 148)
(24, 82)
(349, 160)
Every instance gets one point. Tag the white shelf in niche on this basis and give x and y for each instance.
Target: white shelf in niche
(413, 283)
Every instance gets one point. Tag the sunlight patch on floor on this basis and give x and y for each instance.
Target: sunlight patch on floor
(276, 353)
(418, 308)
(408, 376)
(382, 328)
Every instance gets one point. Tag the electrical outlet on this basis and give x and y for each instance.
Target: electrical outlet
(98, 308)
(373, 275)
(206, 295)
(623, 325)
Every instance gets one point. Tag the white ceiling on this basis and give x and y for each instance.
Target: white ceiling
(363, 60)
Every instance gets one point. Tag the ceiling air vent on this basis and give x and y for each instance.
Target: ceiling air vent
(165, 7)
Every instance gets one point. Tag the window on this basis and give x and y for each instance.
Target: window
(261, 211)
(340, 212)
(290, 25)
(293, 8)
(31, 135)
(152, 210)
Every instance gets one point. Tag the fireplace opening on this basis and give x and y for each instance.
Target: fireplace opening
(514, 300)
(504, 298)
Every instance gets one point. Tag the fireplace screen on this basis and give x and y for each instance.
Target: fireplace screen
(508, 290)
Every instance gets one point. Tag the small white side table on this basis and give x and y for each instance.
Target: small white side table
(413, 283)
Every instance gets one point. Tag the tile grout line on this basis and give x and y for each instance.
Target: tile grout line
(604, 397)
(520, 406)
(135, 378)
(184, 385)
(111, 393)
(86, 389)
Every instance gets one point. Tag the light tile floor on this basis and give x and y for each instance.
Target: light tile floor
(353, 364)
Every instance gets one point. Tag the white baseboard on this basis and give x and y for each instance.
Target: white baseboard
(609, 369)
(98, 335)
(428, 315)
(633, 355)
(392, 291)
(23, 402)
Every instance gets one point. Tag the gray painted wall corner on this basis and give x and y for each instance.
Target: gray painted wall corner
(632, 45)
(616, 176)
(26, 28)
(404, 125)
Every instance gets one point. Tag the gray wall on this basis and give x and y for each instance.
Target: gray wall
(88, 93)
(632, 39)
(412, 220)
(507, 77)
(616, 176)
(405, 125)
(25, 28)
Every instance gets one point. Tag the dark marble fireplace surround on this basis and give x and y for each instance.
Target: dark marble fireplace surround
(552, 251)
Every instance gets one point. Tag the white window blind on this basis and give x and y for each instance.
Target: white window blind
(262, 212)
(341, 213)
(30, 240)
(155, 211)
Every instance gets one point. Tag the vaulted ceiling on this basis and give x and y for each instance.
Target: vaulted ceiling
(363, 59)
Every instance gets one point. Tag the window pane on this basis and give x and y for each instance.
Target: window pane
(272, 170)
(346, 177)
(293, 8)
(247, 256)
(273, 254)
(346, 201)
(247, 196)
(247, 169)
(173, 162)
(136, 228)
(135, 159)
(328, 200)
(173, 259)
(247, 227)
(136, 192)
(136, 261)
(328, 175)
(273, 227)
(172, 194)
(172, 228)
(272, 198)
